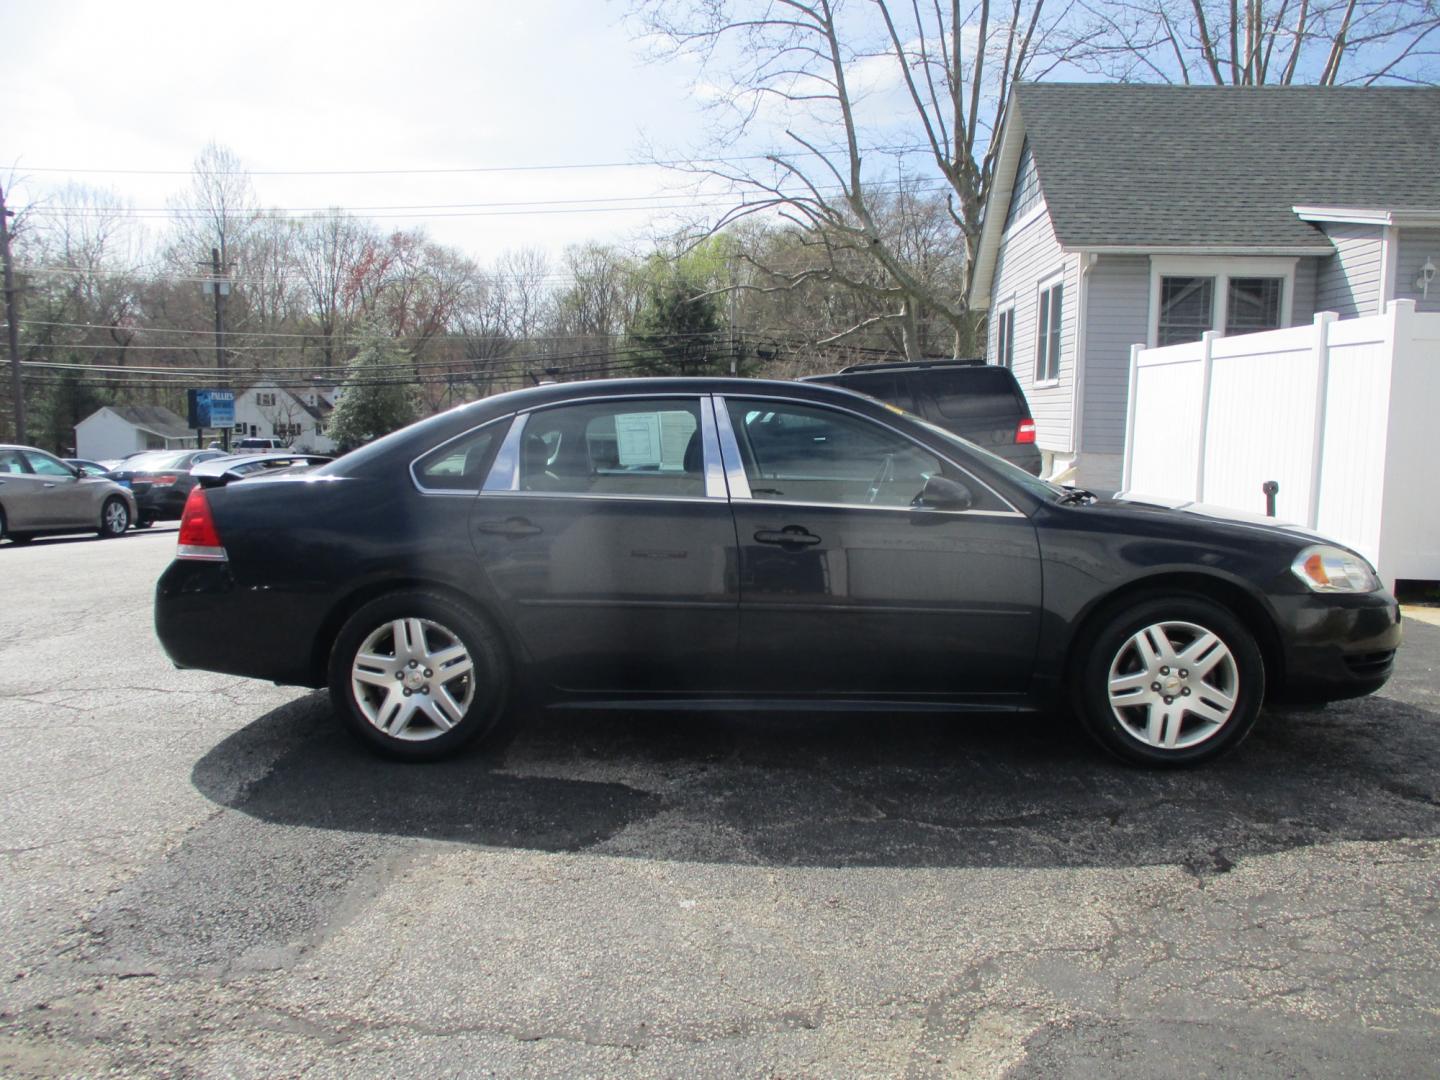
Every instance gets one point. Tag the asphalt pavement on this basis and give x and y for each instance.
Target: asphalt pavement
(204, 876)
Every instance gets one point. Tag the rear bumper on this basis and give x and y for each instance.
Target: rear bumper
(205, 620)
(160, 503)
(1336, 646)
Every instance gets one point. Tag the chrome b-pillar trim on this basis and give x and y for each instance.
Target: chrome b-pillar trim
(710, 447)
(505, 469)
(730, 450)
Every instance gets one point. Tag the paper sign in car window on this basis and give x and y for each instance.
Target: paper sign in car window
(675, 431)
(637, 437)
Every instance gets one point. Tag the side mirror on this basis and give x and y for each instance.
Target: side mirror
(942, 493)
(78, 471)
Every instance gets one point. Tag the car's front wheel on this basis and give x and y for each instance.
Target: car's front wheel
(6, 534)
(417, 676)
(114, 518)
(1170, 681)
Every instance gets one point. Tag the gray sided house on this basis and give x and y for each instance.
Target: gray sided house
(1128, 214)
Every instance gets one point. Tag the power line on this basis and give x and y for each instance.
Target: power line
(829, 189)
(554, 167)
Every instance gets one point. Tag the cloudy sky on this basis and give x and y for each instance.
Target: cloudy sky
(417, 85)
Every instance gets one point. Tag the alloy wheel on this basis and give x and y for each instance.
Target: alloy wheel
(116, 517)
(1173, 685)
(413, 679)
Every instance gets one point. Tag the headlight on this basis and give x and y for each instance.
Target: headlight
(1332, 569)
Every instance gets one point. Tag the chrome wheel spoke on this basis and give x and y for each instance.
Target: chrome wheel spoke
(1203, 654)
(446, 707)
(373, 678)
(438, 713)
(1212, 706)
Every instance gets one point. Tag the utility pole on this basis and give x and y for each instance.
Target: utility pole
(12, 324)
(219, 285)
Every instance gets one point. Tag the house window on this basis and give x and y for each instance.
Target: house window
(1005, 338)
(1190, 296)
(265, 399)
(1187, 309)
(1252, 304)
(1047, 333)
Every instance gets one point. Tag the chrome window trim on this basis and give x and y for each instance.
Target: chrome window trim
(504, 478)
(505, 469)
(468, 492)
(723, 416)
(780, 503)
(608, 496)
(735, 477)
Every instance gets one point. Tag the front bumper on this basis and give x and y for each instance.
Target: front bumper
(1336, 646)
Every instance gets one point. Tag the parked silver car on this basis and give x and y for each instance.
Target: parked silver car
(41, 495)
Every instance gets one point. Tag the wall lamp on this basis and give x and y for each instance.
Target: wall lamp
(1427, 275)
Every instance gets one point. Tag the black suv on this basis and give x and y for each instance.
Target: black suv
(979, 402)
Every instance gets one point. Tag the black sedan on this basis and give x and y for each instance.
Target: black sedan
(720, 543)
(160, 481)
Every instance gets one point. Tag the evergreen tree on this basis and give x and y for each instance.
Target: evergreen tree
(378, 396)
(678, 330)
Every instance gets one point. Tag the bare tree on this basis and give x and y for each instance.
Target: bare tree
(1228, 43)
(328, 248)
(217, 210)
(803, 71)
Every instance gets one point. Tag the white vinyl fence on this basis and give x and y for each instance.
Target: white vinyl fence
(1343, 415)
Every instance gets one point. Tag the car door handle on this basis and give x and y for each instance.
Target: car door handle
(791, 534)
(48, 483)
(514, 527)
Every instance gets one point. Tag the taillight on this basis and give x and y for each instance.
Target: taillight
(1025, 433)
(163, 481)
(199, 539)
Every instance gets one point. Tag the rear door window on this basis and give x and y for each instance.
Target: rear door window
(642, 447)
(887, 386)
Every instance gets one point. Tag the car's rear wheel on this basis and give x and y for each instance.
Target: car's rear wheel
(416, 676)
(1169, 681)
(114, 518)
(144, 522)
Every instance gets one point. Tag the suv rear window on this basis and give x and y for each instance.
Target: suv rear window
(973, 392)
(887, 386)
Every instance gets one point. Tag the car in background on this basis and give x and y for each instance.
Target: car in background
(977, 401)
(160, 481)
(89, 468)
(221, 471)
(40, 495)
(712, 543)
(257, 443)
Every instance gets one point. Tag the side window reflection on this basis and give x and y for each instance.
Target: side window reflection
(800, 453)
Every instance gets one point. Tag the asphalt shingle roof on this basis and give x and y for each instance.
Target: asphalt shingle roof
(1133, 165)
(154, 418)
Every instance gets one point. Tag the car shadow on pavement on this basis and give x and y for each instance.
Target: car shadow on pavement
(847, 790)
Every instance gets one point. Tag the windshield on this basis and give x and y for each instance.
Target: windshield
(1041, 489)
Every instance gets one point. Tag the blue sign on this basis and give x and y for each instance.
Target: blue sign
(211, 408)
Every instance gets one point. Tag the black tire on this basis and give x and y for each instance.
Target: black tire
(144, 523)
(481, 704)
(114, 518)
(1131, 731)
